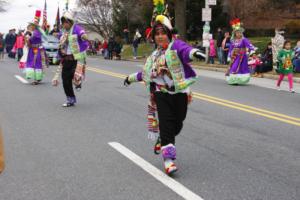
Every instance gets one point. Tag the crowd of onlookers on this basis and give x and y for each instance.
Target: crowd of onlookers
(111, 48)
(12, 43)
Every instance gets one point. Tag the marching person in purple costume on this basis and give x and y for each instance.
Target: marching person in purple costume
(168, 77)
(72, 50)
(36, 59)
(239, 72)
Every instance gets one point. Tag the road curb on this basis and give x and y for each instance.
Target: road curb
(265, 75)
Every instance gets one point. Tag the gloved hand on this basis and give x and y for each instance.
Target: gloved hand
(199, 55)
(126, 82)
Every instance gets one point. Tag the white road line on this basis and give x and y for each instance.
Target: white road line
(177, 187)
(21, 79)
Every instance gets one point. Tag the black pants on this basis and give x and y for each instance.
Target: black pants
(225, 57)
(172, 110)
(67, 75)
(110, 55)
(20, 54)
(263, 68)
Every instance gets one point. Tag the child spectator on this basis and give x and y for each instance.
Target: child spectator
(212, 51)
(285, 57)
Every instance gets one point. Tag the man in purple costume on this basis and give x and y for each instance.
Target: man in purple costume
(72, 50)
(168, 75)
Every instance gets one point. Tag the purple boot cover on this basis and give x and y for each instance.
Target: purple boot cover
(169, 151)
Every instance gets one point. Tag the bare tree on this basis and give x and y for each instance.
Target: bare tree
(96, 15)
(180, 17)
(2, 4)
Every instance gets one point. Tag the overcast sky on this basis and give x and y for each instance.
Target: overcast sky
(19, 12)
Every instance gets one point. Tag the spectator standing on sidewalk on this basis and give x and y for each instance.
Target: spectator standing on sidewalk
(55, 31)
(126, 35)
(220, 38)
(225, 47)
(135, 43)
(2, 45)
(105, 49)
(19, 45)
(212, 51)
(10, 40)
(110, 47)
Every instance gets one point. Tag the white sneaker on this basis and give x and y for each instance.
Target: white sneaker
(170, 167)
(292, 91)
(278, 88)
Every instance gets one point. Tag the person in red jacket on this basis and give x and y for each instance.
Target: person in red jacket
(105, 49)
(19, 45)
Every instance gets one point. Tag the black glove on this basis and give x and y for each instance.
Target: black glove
(126, 81)
(199, 55)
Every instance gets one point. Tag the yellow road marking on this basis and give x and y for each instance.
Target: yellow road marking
(248, 110)
(230, 104)
(248, 107)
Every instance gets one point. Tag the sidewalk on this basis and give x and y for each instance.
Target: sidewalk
(259, 82)
(223, 68)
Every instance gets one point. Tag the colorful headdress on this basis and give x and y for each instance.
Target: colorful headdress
(67, 16)
(37, 18)
(236, 25)
(160, 14)
(36, 22)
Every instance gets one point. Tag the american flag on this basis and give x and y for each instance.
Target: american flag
(45, 17)
(57, 21)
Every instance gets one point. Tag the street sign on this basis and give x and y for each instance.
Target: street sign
(211, 2)
(205, 39)
(206, 14)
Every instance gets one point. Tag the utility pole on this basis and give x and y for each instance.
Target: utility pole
(206, 17)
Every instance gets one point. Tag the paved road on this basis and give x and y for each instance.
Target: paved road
(238, 143)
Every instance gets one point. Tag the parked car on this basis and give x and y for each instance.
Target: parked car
(51, 45)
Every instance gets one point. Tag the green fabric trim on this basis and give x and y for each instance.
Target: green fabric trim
(39, 74)
(176, 70)
(74, 46)
(238, 80)
(35, 74)
(29, 73)
(132, 78)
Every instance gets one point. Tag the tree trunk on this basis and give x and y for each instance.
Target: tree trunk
(180, 17)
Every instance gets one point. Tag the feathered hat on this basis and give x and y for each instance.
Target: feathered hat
(160, 13)
(67, 16)
(160, 17)
(236, 25)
